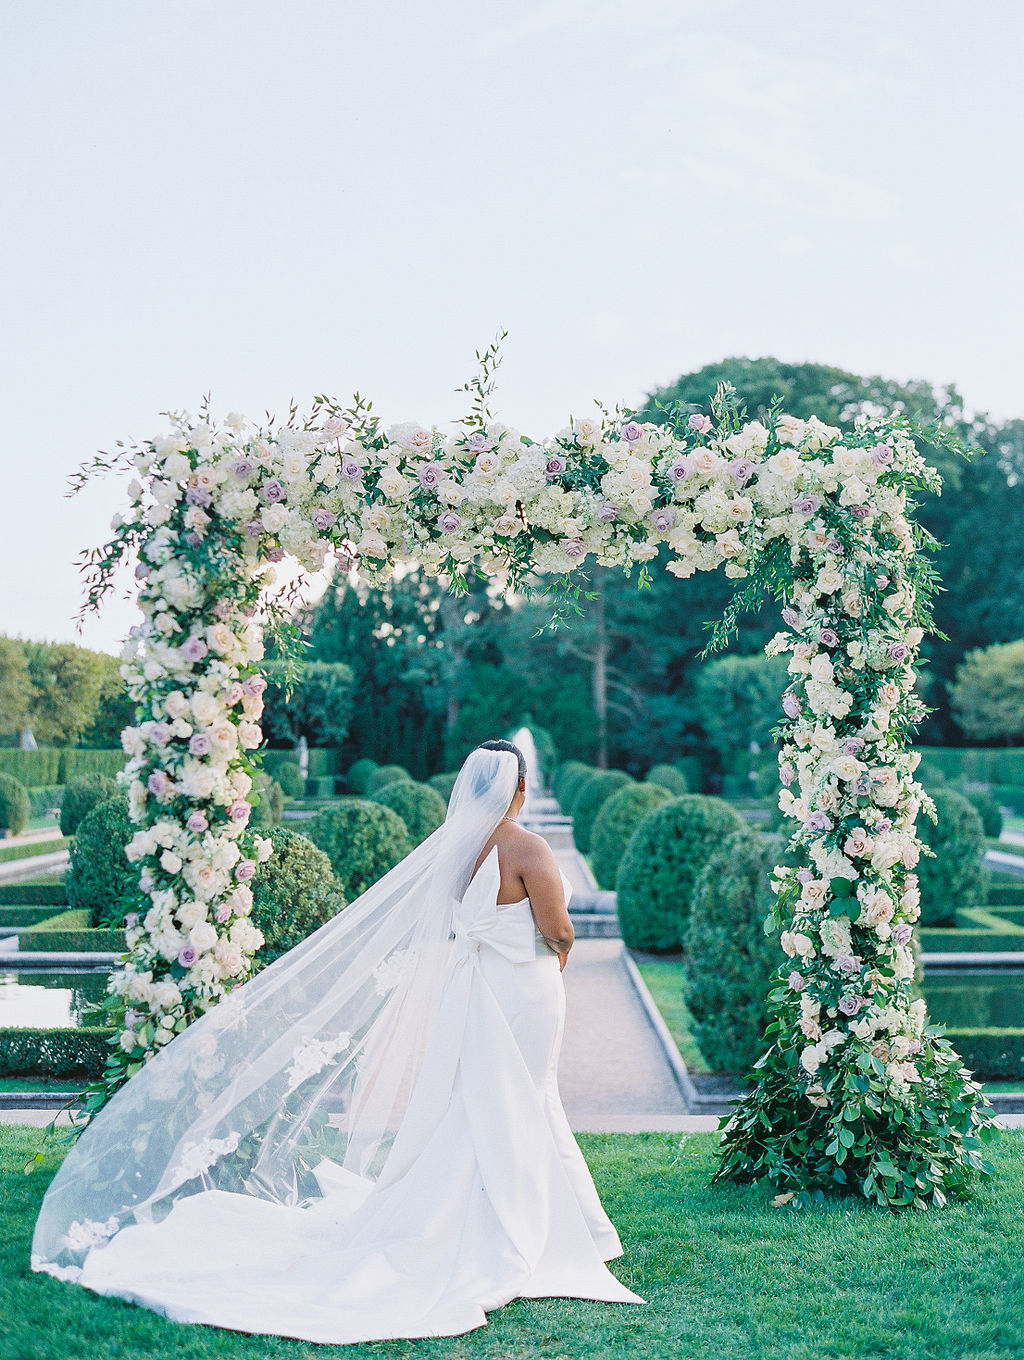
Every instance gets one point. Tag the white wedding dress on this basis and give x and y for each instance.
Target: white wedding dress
(484, 1195)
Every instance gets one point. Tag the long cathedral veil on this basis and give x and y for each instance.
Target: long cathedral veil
(298, 1080)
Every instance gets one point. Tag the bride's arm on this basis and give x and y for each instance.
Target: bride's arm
(547, 896)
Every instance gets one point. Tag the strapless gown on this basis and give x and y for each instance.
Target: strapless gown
(485, 1195)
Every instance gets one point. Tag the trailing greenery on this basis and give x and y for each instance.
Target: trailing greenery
(99, 876)
(729, 960)
(995, 1054)
(359, 774)
(725, 1276)
(70, 932)
(420, 807)
(952, 877)
(81, 795)
(362, 839)
(591, 793)
(294, 893)
(668, 777)
(69, 1052)
(661, 865)
(617, 818)
(14, 806)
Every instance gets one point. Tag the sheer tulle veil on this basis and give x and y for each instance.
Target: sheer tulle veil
(297, 1082)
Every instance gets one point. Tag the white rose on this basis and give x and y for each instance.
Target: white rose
(203, 935)
(205, 708)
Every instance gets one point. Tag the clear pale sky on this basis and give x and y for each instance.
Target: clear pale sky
(265, 199)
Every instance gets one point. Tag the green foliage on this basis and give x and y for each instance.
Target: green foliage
(420, 807)
(288, 777)
(44, 799)
(14, 915)
(359, 774)
(77, 762)
(32, 849)
(99, 876)
(71, 686)
(661, 865)
(590, 795)
(443, 784)
(668, 777)
(988, 810)
(616, 820)
(953, 878)
(384, 775)
(267, 812)
(70, 932)
(740, 701)
(319, 707)
(729, 958)
(363, 841)
(988, 693)
(992, 1054)
(294, 893)
(34, 894)
(565, 779)
(32, 768)
(54, 1053)
(81, 795)
(1002, 765)
(14, 806)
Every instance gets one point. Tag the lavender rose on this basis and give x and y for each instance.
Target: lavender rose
(791, 705)
(158, 783)
(322, 519)
(573, 549)
(741, 470)
(241, 467)
(351, 470)
(199, 744)
(898, 652)
(829, 637)
(662, 520)
(699, 423)
(554, 466)
(478, 442)
(450, 522)
(430, 475)
(791, 617)
(244, 869)
(882, 455)
(807, 505)
(274, 492)
(819, 821)
(631, 432)
(187, 955)
(681, 469)
(197, 822)
(850, 1005)
(608, 512)
(901, 934)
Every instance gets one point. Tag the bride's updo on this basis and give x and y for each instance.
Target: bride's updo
(506, 746)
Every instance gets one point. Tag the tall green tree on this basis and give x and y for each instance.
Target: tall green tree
(16, 689)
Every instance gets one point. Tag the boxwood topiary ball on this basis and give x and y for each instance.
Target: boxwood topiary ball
(13, 805)
(420, 807)
(363, 840)
(954, 878)
(81, 795)
(590, 794)
(661, 865)
(617, 819)
(359, 774)
(294, 893)
(668, 777)
(99, 876)
(384, 775)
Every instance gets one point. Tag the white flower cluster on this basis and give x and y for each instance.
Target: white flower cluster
(213, 509)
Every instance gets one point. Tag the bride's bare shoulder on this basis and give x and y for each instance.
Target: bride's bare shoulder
(528, 846)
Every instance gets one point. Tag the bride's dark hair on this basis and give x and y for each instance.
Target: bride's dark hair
(506, 746)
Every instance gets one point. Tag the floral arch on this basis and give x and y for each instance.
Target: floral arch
(857, 1092)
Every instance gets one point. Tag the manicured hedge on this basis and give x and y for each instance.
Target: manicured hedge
(74, 763)
(319, 786)
(32, 850)
(729, 960)
(33, 768)
(81, 795)
(668, 777)
(362, 839)
(952, 878)
(70, 932)
(34, 894)
(616, 820)
(294, 893)
(943, 940)
(99, 876)
(1009, 796)
(288, 777)
(1007, 895)
(420, 807)
(443, 784)
(989, 765)
(26, 915)
(80, 1052)
(591, 794)
(359, 774)
(43, 799)
(663, 860)
(14, 805)
(991, 1054)
(322, 762)
(384, 775)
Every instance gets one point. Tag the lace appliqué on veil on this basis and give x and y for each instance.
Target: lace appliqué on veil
(394, 970)
(197, 1158)
(313, 1057)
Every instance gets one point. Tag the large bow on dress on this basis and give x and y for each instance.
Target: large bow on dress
(479, 920)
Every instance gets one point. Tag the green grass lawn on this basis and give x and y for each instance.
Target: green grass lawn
(10, 853)
(664, 978)
(726, 1277)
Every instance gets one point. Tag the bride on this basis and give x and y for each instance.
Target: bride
(366, 1140)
